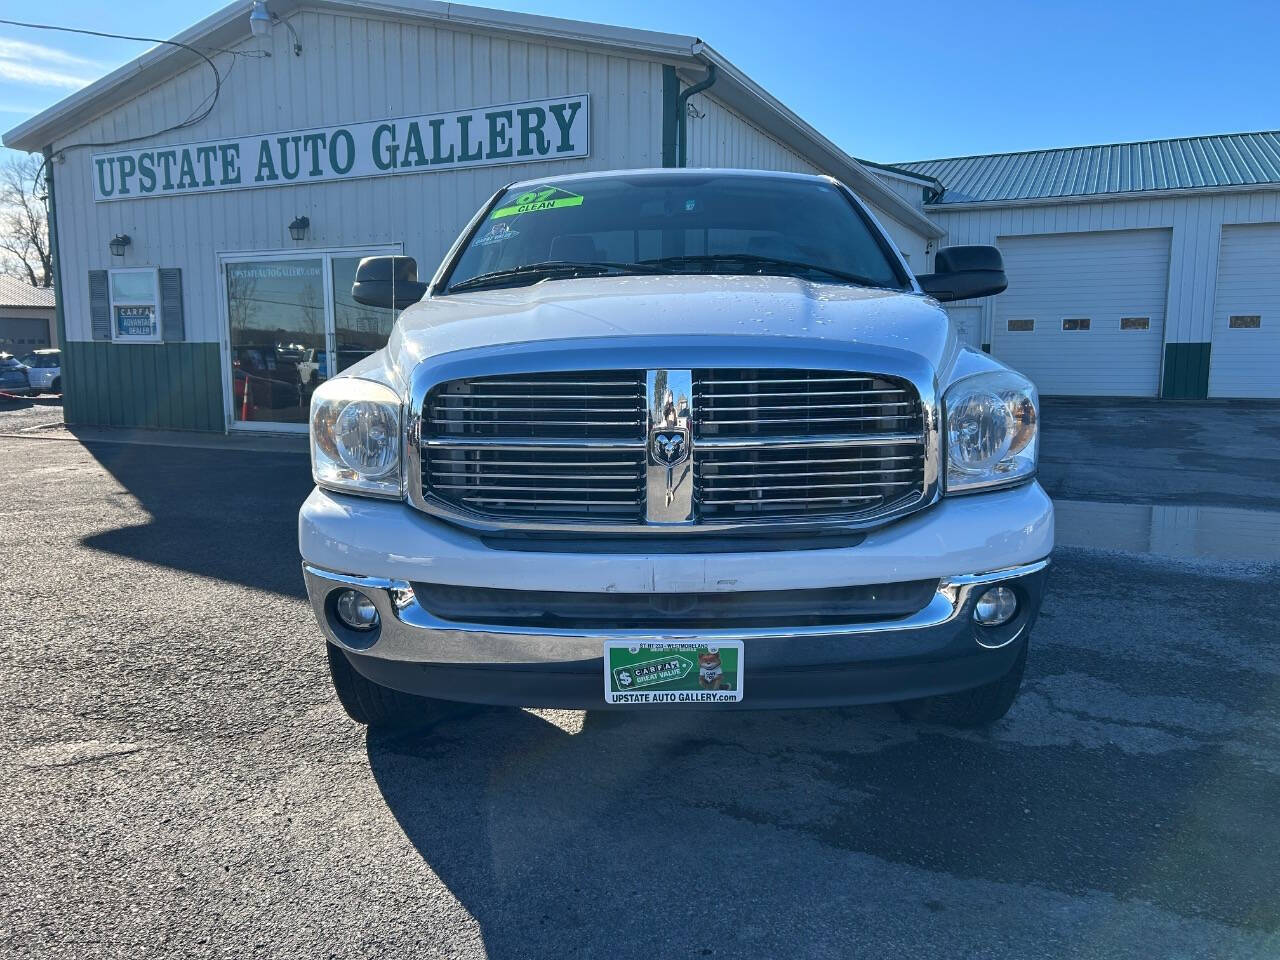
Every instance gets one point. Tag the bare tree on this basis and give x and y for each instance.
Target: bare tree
(24, 221)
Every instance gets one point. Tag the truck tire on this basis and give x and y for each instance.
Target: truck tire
(979, 707)
(375, 705)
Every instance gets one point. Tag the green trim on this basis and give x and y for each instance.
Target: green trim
(670, 108)
(1186, 371)
(168, 386)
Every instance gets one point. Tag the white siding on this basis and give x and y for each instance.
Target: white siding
(353, 68)
(722, 137)
(1196, 222)
(1099, 276)
(1245, 362)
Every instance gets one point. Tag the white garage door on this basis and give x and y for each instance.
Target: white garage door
(1244, 360)
(1084, 312)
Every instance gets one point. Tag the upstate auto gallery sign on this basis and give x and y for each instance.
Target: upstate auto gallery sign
(552, 129)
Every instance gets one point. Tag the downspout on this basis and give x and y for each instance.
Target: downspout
(67, 374)
(682, 111)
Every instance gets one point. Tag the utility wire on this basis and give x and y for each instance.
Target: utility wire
(196, 116)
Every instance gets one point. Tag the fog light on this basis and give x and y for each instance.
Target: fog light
(996, 606)
(356, 611)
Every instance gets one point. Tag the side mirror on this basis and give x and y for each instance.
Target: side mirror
(387, 282)
(964, 272)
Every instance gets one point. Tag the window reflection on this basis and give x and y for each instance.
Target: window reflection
(277, 316)
(359, 330)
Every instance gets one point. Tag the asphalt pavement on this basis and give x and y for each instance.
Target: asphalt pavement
(176, 778)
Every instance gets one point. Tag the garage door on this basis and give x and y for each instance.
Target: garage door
(1245, 358)
(1084, 312)
(22, 335)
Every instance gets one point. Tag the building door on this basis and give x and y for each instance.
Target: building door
(291, 324)
(968, 324)
(1244, 360)
(1084, 312)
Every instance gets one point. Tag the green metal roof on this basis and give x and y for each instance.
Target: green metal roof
(1226, 160)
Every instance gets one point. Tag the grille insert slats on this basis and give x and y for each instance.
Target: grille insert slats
(554, 446)
(766, 445)
(783, 444)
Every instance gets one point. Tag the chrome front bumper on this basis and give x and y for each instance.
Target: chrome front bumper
(410, 633)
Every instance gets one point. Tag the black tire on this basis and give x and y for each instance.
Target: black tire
(979, 707)
(56, 386)
(377, 706)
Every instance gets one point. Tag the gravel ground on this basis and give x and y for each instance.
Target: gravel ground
(176, 778)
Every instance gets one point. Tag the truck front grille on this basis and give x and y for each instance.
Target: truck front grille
(551, 446)
(851, 443)
(764, 445)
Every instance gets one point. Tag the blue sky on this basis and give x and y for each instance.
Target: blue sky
(886, 81)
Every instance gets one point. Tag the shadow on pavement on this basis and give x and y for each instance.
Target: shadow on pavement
(799, 833)
(227, 514)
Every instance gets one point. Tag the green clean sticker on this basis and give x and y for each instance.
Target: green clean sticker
(544, 198)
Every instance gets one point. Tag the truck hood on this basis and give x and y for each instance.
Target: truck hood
(673, 306)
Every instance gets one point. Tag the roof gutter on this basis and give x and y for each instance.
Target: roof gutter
(682, 113)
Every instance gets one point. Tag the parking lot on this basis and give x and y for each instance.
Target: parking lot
(179, 781)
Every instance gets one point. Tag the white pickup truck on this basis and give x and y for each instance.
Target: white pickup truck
(676, 438)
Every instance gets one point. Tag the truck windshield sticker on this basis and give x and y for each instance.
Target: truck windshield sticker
(497, 233)
(543, 198)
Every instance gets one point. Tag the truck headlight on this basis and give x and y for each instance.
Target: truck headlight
(993, 431)
(355, 437)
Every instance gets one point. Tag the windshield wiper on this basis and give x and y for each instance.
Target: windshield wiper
(549, 270)
(788, 267)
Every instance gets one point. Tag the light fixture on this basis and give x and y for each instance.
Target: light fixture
(118, 243)
(260, 19)
(298, 228)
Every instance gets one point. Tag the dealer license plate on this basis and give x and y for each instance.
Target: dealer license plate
(672, 672)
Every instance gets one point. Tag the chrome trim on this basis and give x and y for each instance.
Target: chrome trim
(652, 353)
(819, 442)
(669, 461)
(408, 632)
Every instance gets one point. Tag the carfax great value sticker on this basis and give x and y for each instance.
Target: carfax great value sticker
(672, 672)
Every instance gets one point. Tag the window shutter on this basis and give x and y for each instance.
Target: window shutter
(171, 322)
(99, 305)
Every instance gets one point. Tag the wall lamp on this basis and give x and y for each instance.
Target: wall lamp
(298, 228)
(118, 243)
(261, 20)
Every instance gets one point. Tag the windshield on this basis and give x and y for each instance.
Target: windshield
(718, 223)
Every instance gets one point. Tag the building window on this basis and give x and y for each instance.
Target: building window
(1245, 322)
(135, 305)
(1075, 323)
(1021, 326)
(1135, 323)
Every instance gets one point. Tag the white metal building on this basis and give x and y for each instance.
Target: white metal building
(1135, 269)
(204, 271)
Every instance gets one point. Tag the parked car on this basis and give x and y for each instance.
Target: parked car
(273, 384)
(676, 438)
(44, 370)
(13, 375)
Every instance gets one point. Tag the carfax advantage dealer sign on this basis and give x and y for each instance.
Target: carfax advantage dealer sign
(552, 129)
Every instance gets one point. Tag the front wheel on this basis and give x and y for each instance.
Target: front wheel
(979, 707)
(377, 706)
